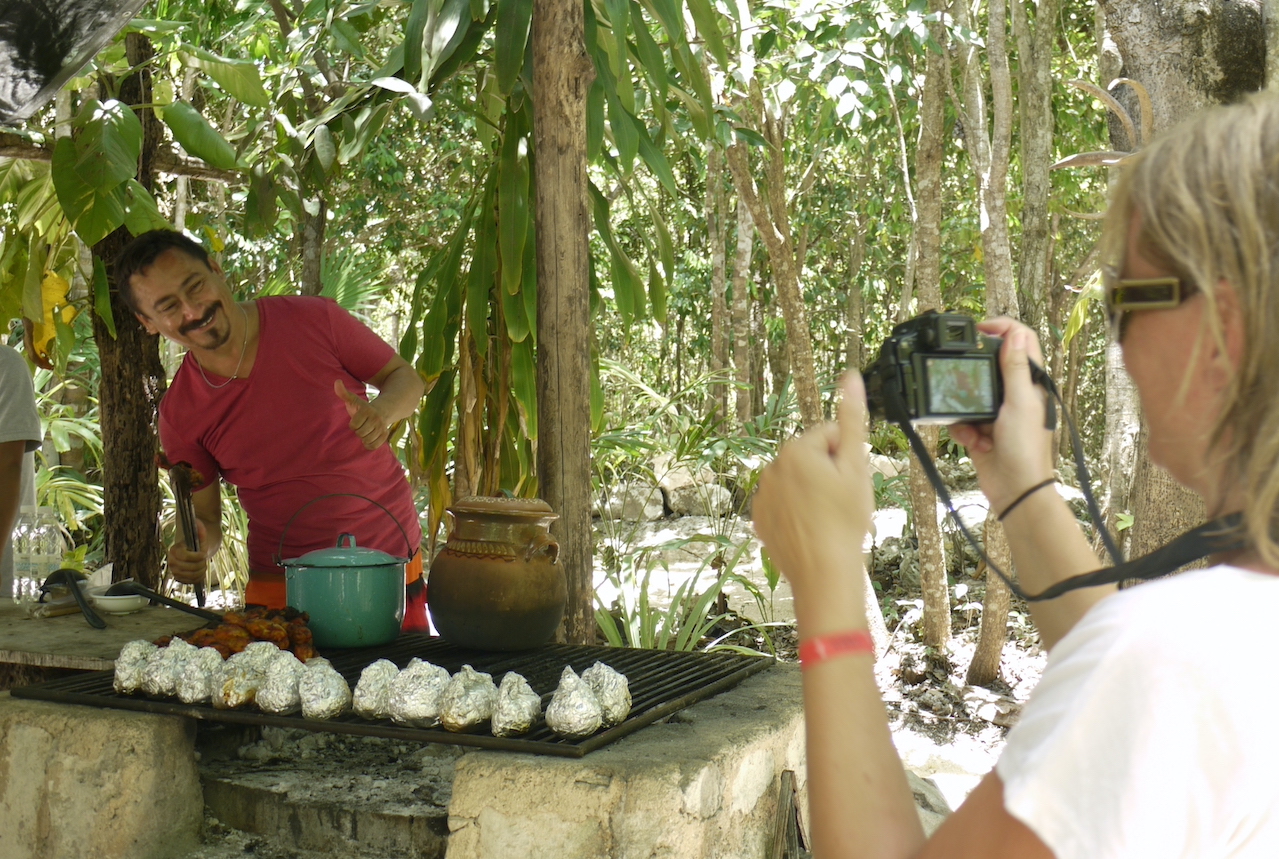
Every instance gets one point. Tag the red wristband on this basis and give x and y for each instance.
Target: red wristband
(824, 647)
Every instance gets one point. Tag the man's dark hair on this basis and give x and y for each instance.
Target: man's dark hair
(141, 253)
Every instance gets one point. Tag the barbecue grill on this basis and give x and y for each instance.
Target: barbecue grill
(661, 682)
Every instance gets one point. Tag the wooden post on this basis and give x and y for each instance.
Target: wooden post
(562, 75)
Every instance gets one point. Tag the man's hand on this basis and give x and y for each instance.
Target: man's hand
(186, 566)
(366, 421)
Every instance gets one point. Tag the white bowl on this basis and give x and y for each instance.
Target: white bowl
(123, 604)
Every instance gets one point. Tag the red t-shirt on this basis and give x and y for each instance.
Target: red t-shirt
(283, 437)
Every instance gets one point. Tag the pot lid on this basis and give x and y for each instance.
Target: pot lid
(502, 505)
(344, 554)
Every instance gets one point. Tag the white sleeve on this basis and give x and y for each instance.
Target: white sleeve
(1120, 751)
(18, 418)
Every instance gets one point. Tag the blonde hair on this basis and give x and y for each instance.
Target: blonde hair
(1208, 195)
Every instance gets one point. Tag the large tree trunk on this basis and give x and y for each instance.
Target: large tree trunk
(562, 75)
(742, 312)
(926, 240)
(990, 162)
(133, 380)
(1188, 54)
(311, 236)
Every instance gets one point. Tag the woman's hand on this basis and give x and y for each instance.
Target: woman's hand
(1015, 452)
(814, 504)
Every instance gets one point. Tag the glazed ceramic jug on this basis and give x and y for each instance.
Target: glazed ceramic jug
(497, 584)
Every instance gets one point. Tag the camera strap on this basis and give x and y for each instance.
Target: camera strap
(1219, 535)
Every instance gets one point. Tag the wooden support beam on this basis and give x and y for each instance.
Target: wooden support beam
(562, 75)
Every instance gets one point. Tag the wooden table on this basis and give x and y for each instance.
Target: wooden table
(69, 642)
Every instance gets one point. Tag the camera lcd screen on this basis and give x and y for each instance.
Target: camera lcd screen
(960, 386)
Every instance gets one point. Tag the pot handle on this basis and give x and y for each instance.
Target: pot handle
(279, 555)
(542, 542)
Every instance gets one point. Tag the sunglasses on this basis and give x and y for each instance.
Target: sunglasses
(1125, 294)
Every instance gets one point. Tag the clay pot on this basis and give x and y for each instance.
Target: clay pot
(497, 583)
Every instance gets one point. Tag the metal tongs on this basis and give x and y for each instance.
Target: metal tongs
(182, 477)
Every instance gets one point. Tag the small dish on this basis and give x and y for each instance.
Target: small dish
(123, 604)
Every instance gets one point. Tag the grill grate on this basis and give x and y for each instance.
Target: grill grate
(661, 682)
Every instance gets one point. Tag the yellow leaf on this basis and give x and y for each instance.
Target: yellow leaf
(53, 294)
(215, 241)
(68, 313)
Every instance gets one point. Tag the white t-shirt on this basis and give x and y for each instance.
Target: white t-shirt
(18, 422)
(1154, 731)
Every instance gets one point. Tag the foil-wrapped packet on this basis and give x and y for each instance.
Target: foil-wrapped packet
(517, 708)
(325, 693)
(574, 711)
(199, 673)
(613, 691)
(468, 700)
(164, 667)
(373, 691)
(415, 692)
(279, 691)
(130, 664)
(242, 675)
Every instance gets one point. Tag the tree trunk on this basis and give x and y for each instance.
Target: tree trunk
(759, 335)
(133, 380)
(742, 312)
(1188, 54)
(984, 669)
(926, 240)
(562, 75)
(312, 236)
(772, 222)
(989, 156)
(1034, 77)
(715, 217)
(855, 321)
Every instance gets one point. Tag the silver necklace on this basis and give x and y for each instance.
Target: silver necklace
(244, 347)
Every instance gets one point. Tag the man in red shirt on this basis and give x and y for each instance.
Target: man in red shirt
(271, 397)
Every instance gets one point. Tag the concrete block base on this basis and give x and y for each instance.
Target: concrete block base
(91, 782)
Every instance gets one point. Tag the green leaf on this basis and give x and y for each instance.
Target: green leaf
(510, 41)
(239, 79)
(528, 289)
(480, 278)
(109, 144)
(32, 284)
(619, 14)
(347, 38)
(325, 149)
(413, 33)
(198, 137)
(656, 292)
(625, 136)
(102, 296)
(707, 21)
(665, 247)
(524, 385)
(597, 394)
(513, 311)
(94, 215)
(368, 124)
(668, 12)
(655, 159)
(754, 138)
(434, 417)
(466, 48)
(141, 214)
(512, 203)
(649, 54)
(594, 119)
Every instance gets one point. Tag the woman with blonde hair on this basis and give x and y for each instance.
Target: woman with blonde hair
(1151, 733)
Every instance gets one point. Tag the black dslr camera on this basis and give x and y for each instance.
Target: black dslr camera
(936, 369)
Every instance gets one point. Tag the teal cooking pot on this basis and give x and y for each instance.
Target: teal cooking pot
(355, 596)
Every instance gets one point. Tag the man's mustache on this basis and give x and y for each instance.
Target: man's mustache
(187, 327)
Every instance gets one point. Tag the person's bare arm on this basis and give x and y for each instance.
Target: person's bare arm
(11, 457)
(399, 390)
(1013, 454)
(813, 511)
(190, 567)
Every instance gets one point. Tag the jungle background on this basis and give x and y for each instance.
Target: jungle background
(767, 187)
